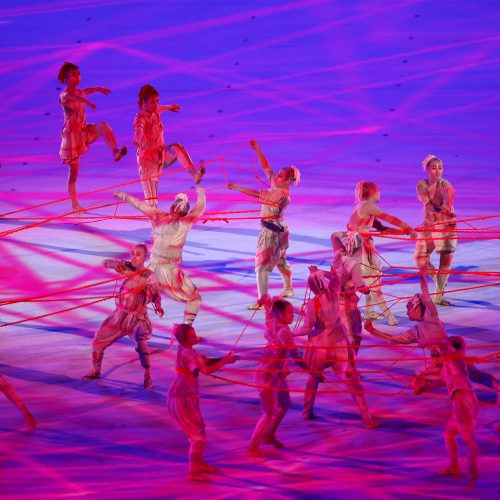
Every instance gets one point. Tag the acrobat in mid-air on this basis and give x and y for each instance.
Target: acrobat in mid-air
(170, 230)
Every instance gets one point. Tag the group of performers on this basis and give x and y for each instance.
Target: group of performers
(332, 320)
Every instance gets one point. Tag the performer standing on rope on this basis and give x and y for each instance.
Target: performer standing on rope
(11, 394)
(327, 345)
(437, 195)
(131, 315)
(184, 398)
(464, 406)
(349, 272)
(170, 230)
(366, 215)
(272, 371)
(421, 308)
(152, 153)
(77, 134)
(274, 235)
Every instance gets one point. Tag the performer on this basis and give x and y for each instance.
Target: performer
(428, 327)
(437, 195)
(77, 134)
(184, 399)
(365, 216)
(272, 371)
(170, 230)
(349, 272)
(274, 235)
(152, 153)
(11, 394)
(464, 406)
(131, 315)
(327, 345)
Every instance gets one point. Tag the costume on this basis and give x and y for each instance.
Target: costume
(169, 236)
(328, 345)
(439, 215)
(152, 153)
(358, 239)
(270, 379)
(273, 238)
(130, 316)
(184, 402)
(348, 271)
(76, 133)
(464, 405)
(439, 228)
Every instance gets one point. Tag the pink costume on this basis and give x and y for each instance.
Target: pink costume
(273, 237)
(464, 405)
(184, 401)
(348, 271)
(169, 237)
(77, 134)
(152, 153)
(358, 239)
(270, 378)
(328, 345)
(130, 316)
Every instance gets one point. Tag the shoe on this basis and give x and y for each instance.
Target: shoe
(118, 154)
(287, 292)
(91, 376)
(391, 320)
(370, 315)
(443, 302)
(255, 307)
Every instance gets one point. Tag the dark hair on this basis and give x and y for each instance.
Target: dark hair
(279, 306)
(144, 247)
(63, 72)
(145, 92)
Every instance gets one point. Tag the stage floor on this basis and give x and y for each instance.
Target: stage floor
(343, 93)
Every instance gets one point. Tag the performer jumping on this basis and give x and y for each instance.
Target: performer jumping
(152, 153)
(77, 134)
(274, 234)
(170, 230)
(131, 315)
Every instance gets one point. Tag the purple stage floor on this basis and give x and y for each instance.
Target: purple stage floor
(344, 90)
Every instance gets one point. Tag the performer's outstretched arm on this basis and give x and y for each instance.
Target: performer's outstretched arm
(264, 162)
(142, 206)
